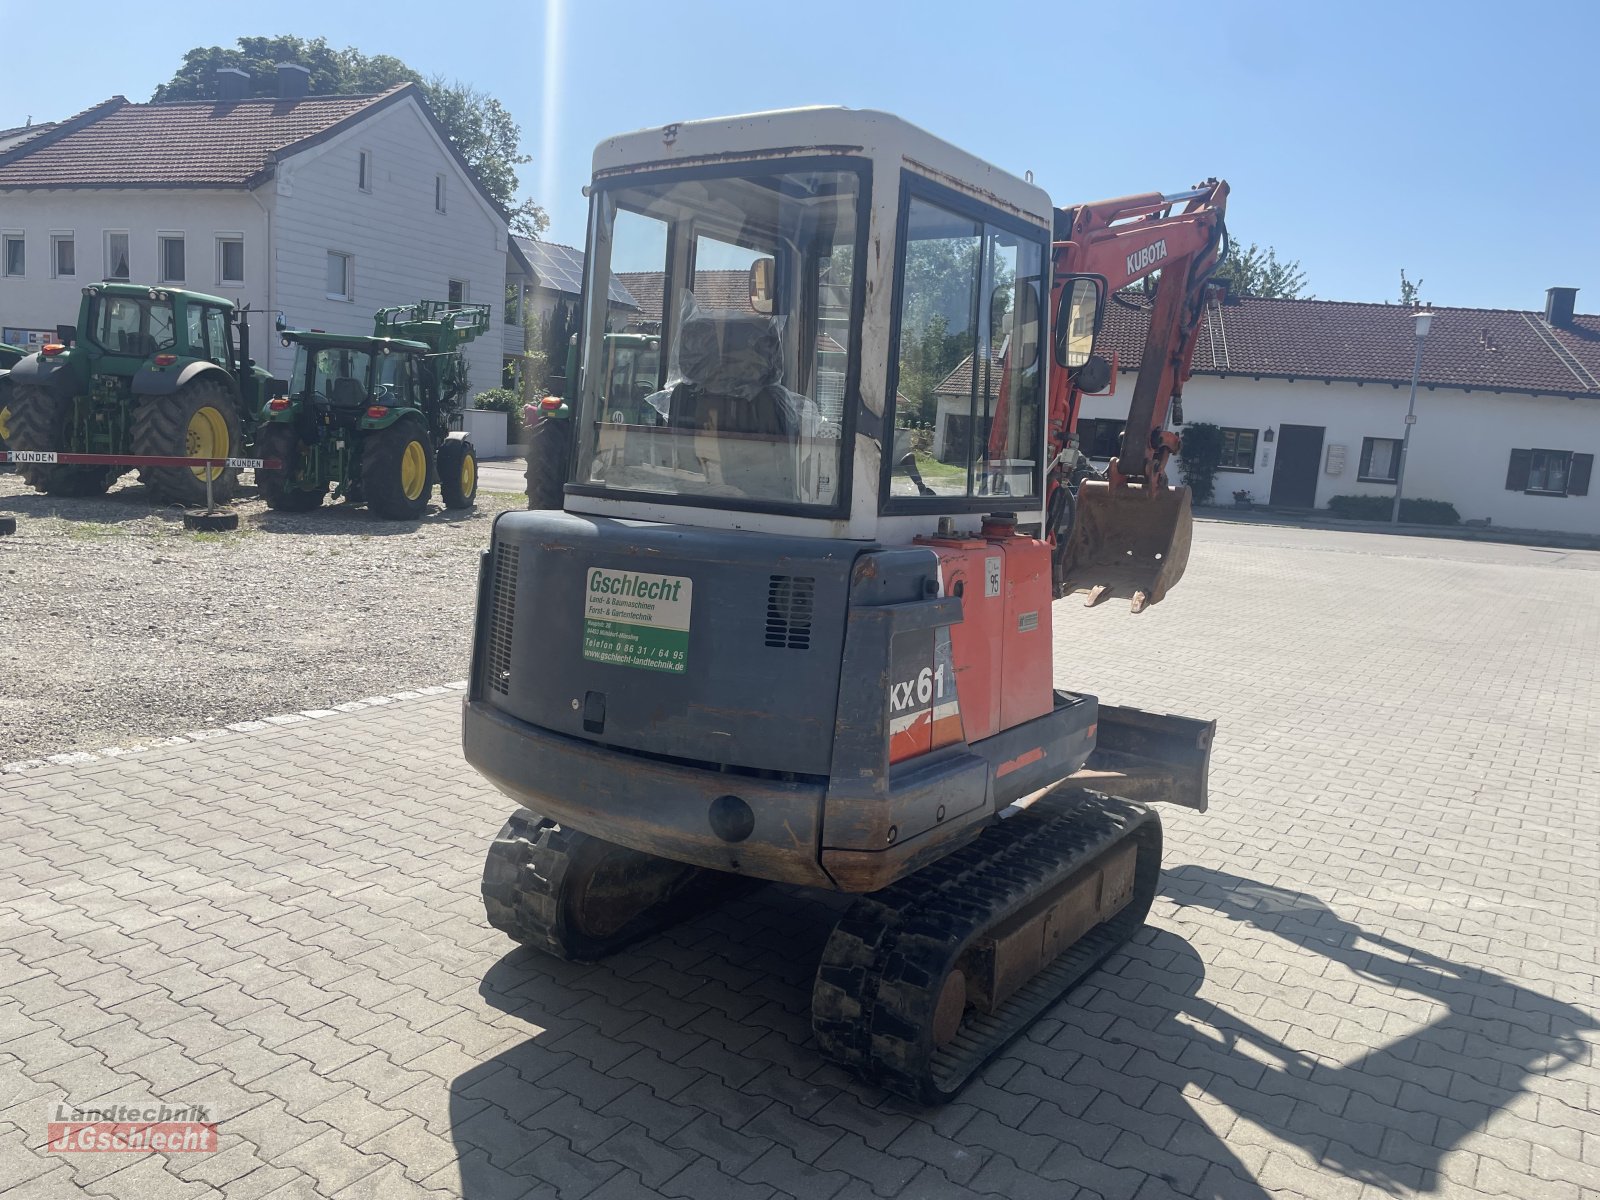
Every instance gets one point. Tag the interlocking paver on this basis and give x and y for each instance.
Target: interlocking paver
(1370, 971)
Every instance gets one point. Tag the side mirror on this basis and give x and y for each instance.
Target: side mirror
(66, 334)
(1078, 320)
(1023, 323)
(279, 323)
(761, 285)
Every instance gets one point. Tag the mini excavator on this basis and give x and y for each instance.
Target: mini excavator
(794, 618)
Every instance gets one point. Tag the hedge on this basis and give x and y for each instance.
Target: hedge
(1379, 508)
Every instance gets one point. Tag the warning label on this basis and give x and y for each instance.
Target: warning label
(631, 619)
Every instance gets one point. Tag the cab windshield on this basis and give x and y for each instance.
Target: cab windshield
(135, 325)
(338, 374)
(738, 292)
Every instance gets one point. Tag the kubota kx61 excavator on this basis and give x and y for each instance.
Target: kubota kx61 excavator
(794, 621)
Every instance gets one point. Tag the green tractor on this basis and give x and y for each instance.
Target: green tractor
(146, 371)
(373, 416)
(10, 356)
(632, 374)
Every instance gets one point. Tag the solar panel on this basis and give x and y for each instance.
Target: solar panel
(560, 268)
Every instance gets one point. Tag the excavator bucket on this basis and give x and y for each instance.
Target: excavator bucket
(1126, 543)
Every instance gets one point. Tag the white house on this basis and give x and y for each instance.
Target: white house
(1311, 396)
(323, 208)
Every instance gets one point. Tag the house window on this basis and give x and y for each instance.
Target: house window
(172, 258)
(1549, 472)
(438, 193)
(230, 260)
(364, 170)
(63, 255)
(1380, 460)
(458, 291)
(116, 255)
(1099, 437)
(338, 276)
(1238, 450)
(16, 254)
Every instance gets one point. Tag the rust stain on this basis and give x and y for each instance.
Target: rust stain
(964, 185)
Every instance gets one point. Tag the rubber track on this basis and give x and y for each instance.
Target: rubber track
(532, 872)
(872, 1006)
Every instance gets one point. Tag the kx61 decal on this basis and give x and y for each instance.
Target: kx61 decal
(924, 710)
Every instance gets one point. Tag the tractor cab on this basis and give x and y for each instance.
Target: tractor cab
(340, 381)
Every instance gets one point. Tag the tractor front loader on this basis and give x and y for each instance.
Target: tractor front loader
(794, 620)
(374, 416)
(145, 371)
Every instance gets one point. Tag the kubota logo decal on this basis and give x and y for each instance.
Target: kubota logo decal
(1149, 256)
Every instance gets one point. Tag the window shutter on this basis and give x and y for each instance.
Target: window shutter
(1578, 474)
(1517, 472)
(1365, 469)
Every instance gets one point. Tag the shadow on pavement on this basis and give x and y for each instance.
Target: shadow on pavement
(663, 1058)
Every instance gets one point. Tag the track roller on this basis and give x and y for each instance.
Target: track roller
(582, 898)
(923, 982)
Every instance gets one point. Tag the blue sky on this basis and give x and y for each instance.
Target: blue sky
(1455, 140)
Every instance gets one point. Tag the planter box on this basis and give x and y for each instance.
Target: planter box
(487, 429)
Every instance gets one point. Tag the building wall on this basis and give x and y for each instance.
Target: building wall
(39, 300)
(402, 250)
(1460, 446)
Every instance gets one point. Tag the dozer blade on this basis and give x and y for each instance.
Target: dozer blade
(1150, 757)
(1126, 543)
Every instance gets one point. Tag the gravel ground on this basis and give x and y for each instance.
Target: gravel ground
(117, 625)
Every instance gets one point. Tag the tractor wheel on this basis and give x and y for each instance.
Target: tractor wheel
(395, 466)
(40, 420)
(211, 522)
(200, 420)
(549, 453)
(458, 473)
(280, 489)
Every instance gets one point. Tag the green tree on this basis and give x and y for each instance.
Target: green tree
(1254, 271)
(1200, 454)
(1410, 293)
(477, 124)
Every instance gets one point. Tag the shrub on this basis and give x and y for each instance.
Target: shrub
(1200, 453)
(507, 401)
(1378, 508)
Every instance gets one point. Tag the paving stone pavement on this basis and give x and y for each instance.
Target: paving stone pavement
(1372, 969)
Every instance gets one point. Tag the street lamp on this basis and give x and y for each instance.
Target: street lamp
(1424, 320)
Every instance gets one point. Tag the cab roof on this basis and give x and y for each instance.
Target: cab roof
(146, 291)
(890, 141)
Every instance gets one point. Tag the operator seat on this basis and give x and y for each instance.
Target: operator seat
(348, 392)
(731, 395)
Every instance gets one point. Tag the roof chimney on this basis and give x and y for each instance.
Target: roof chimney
(293, 80)
(1558, 305)
(232, 83)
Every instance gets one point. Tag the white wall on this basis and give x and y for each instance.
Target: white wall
(403, 249)
(1460, 446)
(40, 301)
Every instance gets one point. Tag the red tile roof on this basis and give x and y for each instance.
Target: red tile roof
(712, 289)
(1492, 349)
(204, 143)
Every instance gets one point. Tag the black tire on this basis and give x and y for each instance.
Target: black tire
(458, 473)
(166, 425)
(279, 488)
(211, 522)
(389, 462)
(549, 457)
(39, 421)
(8, 526)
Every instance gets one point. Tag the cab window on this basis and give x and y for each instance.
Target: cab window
(217, 339)
(968, 395)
